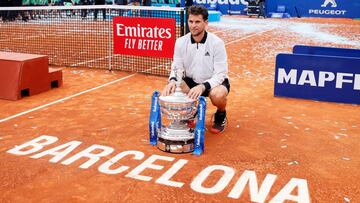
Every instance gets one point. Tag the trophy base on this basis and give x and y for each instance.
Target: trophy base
(176, 147)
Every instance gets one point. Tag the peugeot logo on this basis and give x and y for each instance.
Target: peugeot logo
(326, 2)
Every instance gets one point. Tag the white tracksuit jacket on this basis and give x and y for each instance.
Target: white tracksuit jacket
(204, 62)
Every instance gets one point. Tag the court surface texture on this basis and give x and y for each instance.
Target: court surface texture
(273, 149)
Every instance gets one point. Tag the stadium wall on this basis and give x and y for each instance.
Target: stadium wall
(296, 8)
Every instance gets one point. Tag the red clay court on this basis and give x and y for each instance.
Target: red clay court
(289, 150)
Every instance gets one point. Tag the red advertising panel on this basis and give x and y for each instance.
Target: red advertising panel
(144, 36)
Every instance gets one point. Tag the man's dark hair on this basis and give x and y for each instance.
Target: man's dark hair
(198, 10)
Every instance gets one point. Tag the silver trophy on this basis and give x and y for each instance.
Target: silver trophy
(174, 134)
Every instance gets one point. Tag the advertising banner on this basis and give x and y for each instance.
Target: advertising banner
(317, 8)
(144, 36)
(316, 77)
(231, 7)
(326, 51)
(296, 8)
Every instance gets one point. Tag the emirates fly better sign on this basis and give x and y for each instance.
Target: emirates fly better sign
(144, 36)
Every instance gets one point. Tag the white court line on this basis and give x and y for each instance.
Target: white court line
(25, 37)
(248, 36)
(92, 60)
(66, 98)
(159, 66)
(222, 30)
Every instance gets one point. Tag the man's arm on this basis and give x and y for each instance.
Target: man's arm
(220, 67)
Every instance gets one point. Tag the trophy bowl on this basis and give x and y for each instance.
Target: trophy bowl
(174, 135)
(177, 107)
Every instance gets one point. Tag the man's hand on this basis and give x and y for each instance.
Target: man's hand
(169, 89)
(196, 91)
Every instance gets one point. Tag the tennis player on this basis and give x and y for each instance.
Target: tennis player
(202, 57)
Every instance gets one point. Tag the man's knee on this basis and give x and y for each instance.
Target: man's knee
(218, 93)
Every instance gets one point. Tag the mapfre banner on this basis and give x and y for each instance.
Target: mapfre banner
(144, 36)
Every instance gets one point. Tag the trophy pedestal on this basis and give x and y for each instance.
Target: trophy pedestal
(176, 138)
(175, 146)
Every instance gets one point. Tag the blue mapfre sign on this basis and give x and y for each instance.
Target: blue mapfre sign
(318, 77)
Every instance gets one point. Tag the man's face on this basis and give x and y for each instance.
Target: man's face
(196, 24)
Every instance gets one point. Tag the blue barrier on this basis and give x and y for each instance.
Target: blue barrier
(327, 51)
(318, 8)
(280, 12)
(318, 77)
(295, 8)
(225, 7)
(214, 16)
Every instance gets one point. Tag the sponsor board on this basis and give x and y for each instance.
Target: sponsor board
(232, 7)
(221, 2)
(303, 8)
(324, 10)
(316, 77)
(144, 36)
(317, 8)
